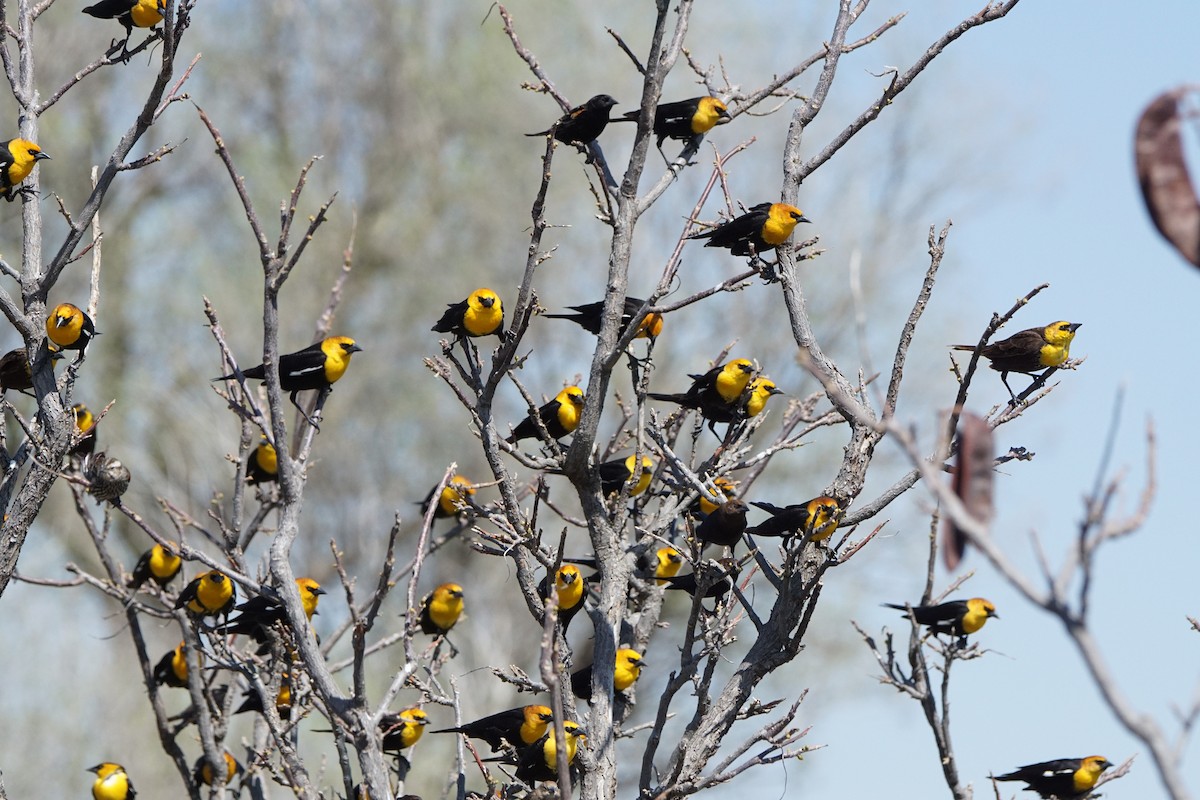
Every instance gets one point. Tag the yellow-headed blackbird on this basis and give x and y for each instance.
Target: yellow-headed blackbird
(203, 771)
(956, 617)
(761, 390)
(560, 416)
(157, 563)
(628, 668)
(815, 520)
(716, 392)
(210, 593)
(69, 327)
(614, 475)
(15, 372)
(725, 525)
(18, 157)
(589, 316)
(263, 465)
(107, 478)
(763, 227)
(519, 727)
(172, 669)
(481, 314)
(402, 730)
(539, 761)
(85, 423)
(723, 488)
(1064, 778)
(582, 124)
(454, 499)
(715, 576)
(684, 119)
(317, 366)
(441, 609)
(130, 13)
(283, 700)
(1030, 350)
(664, 563)
(568, 581)
(261, 612)
(112, 782)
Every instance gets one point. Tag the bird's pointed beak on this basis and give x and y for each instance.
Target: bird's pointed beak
(775, 390)
(41, 156)
(354, 348)
(1076, 326)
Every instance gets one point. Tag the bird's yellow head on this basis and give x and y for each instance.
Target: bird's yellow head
(538, 715)
(481, 299)
(788, 214)
(572, 395)
(266, 457)
(979, 605)
(823, 515)
(205, 770)
(310, 595)
(668, 562)
(628, 668)
(650, 327)
(1089, 771)
(1061, 333)
(709, 112)
(84, 419)
(723, 488)
(103, 770)
(456, 495)
(761, 390)
(414, 721)
(643, 475)
(338, 350)
(25, 154)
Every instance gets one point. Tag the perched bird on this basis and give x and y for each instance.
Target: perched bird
(112, 782)
(1030, 350)
(539, 761)
(723, 488)
(763, 228)
(158, 563)
(956, 617)
(683, 119)
(317, 366)
(665, 563)
(521, 726)
(582, 124)
(716, 393)
(481, 314)
(614, 475)
(263, 465)
(18, 157)
(203, 771)
(15, 372)
(107, 478)
(130, 13)
(172, 668)
(815, 520)
(560, 416)
(454, 499)
(85, 423)
(628, 668)
(208, 594)
(724, 526)
(283, 700)
(568, 583)
(261, 612)
(403, 729)
(589, 317)
(69, 328)
(1065, 778)
(441, 609)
